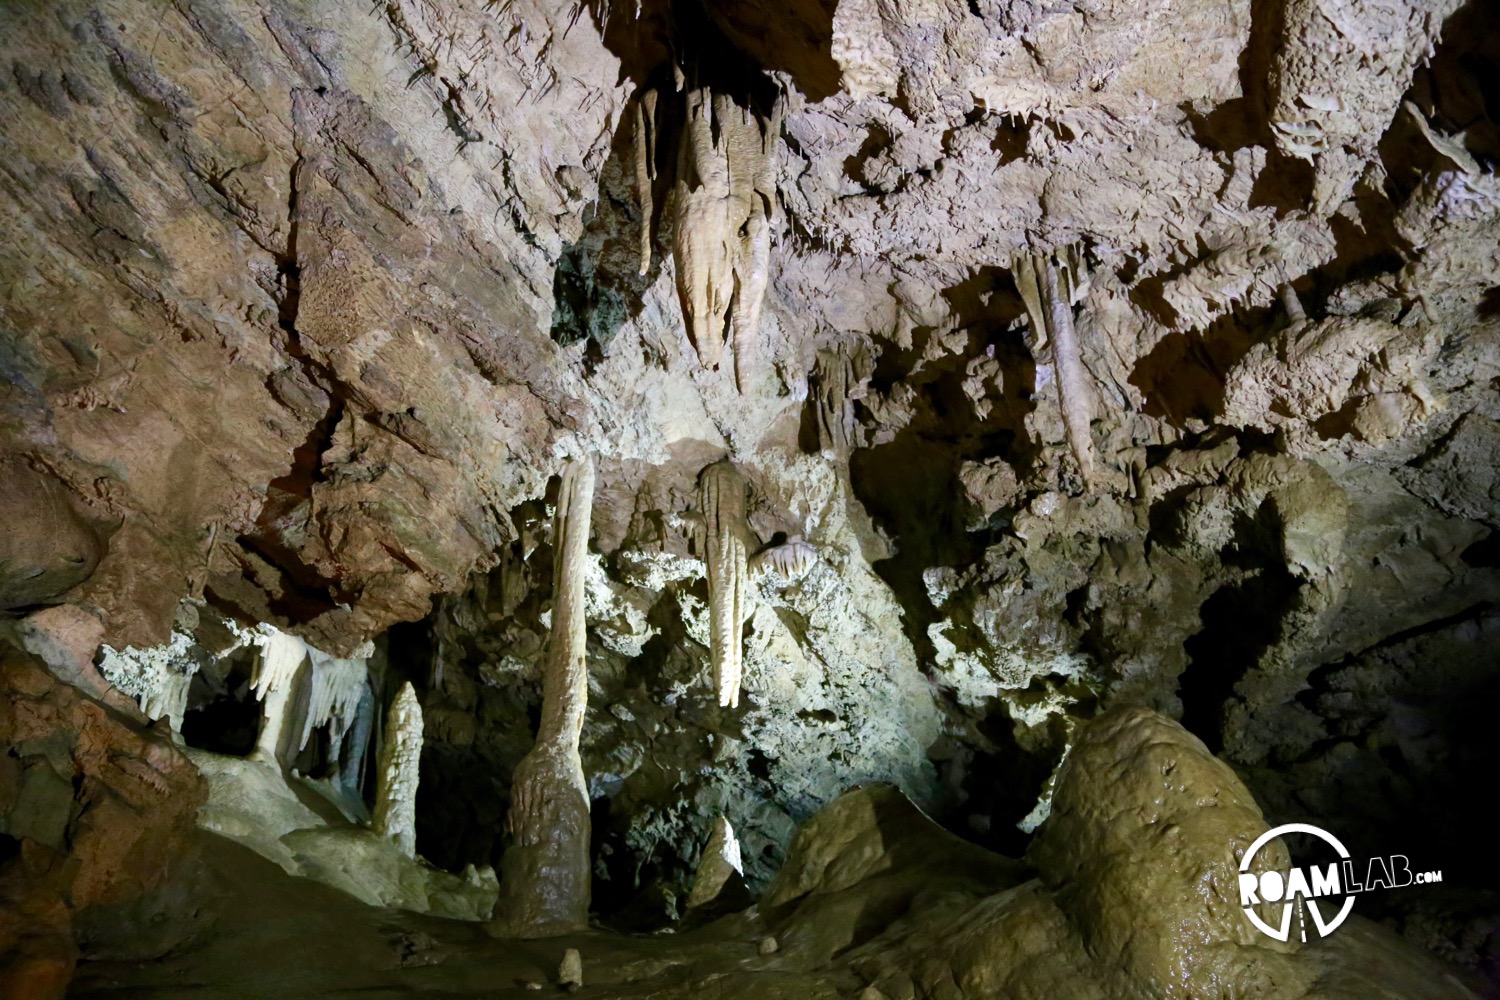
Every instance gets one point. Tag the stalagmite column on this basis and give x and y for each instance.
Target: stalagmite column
(395, 816)
(1049, 292)
(721, 498)
(545, 873)
(281, 655)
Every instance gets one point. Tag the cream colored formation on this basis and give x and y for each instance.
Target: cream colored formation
(786, 562)
(721, 499)
(1051, 284)
(395, 816)
(724, 200)
(546, 870)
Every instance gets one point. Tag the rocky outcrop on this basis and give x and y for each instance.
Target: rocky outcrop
(98, 815)
(1136, 895)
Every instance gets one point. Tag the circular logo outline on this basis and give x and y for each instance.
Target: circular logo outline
(1284, 931)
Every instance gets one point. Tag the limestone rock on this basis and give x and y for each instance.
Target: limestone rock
(400, 754)
(719, 863)
(102, 813)
(1142, 852)
(570, 972)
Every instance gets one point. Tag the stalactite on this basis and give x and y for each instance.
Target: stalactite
(333, 698)
(281, 656)
(1292, 303)
(167, 698)
(701, 230)
(787, 562)
(395, 816)
(721, 500)
(645, 169)
(724, 202)
(158, 678)
(545, 883)
(1050, 288)
(841, 376)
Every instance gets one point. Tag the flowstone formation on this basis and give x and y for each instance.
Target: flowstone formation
(1130, 891)
(396, 800)
(546, 872)
(280, 657)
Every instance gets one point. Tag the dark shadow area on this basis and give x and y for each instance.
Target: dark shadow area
(1404, 774)
(461, 805)
(1240, 622)
(1184, 376)
(1485, 553)
(224, 716)
(1004, 782)
(792, 38)
(910, 485)
(1458, 89)
(1286, 184)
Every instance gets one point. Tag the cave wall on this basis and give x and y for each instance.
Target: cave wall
(305, 304)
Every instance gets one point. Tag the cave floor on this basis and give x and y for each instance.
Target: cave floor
(261, 934)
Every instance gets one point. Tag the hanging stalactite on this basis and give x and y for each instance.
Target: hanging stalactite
(721, 499)
(1050, 286)
(723, 212)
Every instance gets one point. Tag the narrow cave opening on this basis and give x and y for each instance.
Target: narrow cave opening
(223, 718)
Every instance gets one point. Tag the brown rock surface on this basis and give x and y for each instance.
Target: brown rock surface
(302, 304)
(100, 818)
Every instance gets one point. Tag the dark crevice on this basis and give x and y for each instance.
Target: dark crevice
(1240, 622)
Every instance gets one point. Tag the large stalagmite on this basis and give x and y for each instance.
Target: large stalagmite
(721, 500)
(395, 816)
(545, 883)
